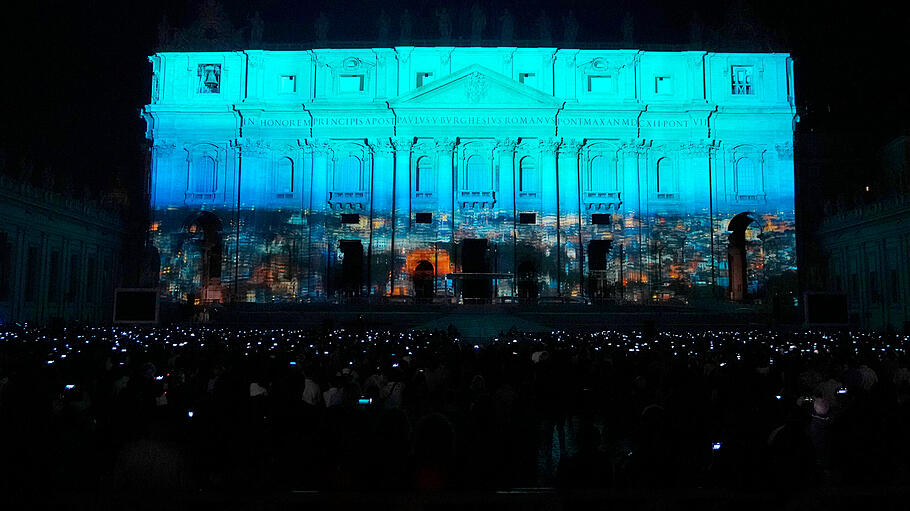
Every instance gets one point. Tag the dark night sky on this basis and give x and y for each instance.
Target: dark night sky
(76, 73)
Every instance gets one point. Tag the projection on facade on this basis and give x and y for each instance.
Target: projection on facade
(471, 174)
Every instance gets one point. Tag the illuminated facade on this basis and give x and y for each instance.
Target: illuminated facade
(471, 174)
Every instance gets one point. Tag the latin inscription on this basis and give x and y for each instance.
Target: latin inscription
(474, 120)
(258, 122)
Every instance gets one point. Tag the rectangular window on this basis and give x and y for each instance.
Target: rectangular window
(600, 84)
(741, 77)
(600, 219)
(32, 276)
(350, 218)
(527, 218)
(287, 84)
(424, 78)
(53, 283)
(663, 85)
(350, 83)
(527, 78)
(423, 218)
(209, 76)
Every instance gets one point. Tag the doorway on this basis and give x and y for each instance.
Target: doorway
(477, 288)
(351, 267)
(424, 276)
(600, 279)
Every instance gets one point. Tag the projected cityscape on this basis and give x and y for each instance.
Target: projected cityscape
(471, 174)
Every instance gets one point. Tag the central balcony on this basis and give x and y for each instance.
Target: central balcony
(601, 200)
(476, 199)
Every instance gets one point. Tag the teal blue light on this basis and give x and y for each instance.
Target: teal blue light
(665, 147)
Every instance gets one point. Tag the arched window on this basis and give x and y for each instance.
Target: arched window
(347, 174)
(603, 175)
(527, 175)
(425, 179)
(283, 177)
(666, 176)
(202, 177)
(477, 174)
(747, 182)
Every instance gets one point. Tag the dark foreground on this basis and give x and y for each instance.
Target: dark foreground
(203, 418)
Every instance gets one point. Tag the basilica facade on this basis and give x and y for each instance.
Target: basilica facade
(466, 174)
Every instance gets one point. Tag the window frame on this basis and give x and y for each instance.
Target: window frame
(738, 88)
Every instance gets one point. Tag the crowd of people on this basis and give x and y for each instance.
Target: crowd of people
(207, 408)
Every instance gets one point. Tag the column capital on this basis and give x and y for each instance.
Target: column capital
(697, 149)
(402, 143)
(445, 144)
(784, 151)
(320, 147)
(380, 145)
(571, 146)
(506, 144)
(252, 146)
(634, 148)
(550, 144)
(164, 148)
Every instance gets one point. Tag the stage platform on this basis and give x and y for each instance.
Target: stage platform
(482, 322)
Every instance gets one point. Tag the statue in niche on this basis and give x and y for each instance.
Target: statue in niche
(321, 27)
(445, 24)
(478, 22)
(507, 22)
(570, 28)
(628, 29)
(384, 23)
(407, 23)
(257, 27)
(543, 26)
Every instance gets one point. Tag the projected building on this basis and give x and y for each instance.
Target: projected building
(461, 174)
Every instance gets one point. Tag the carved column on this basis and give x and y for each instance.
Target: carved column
(319, 243)
(551, 273)
(446, 190)
(400, 214)
(506, 192)
(508, 176)
(381, 220)
(571, 251)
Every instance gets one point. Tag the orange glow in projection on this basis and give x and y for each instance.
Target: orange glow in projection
(438, 258)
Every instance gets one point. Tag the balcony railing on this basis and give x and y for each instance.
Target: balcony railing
(475, 199)
(348, 199)
(602, 200)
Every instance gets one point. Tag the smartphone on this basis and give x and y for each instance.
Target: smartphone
(69, 387)
(842, 390)
(716, 446)
(365, 401)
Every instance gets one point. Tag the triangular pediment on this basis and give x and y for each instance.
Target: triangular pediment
(472, 87)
